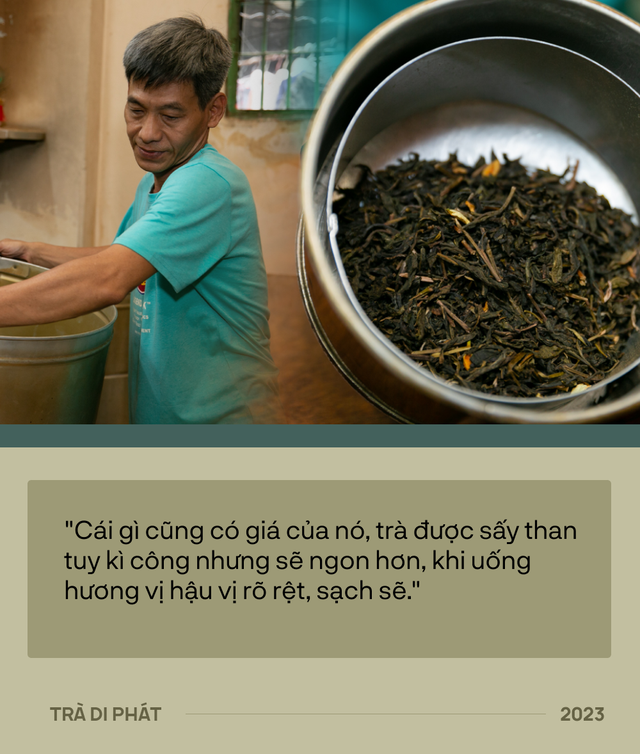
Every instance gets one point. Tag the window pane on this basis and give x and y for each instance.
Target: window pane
(328, 65)
(302, 92)
(332, 32)
(305, 30)
(249, 83)
(276, 85)
(251, 27)
(329, 33)
(278, 26)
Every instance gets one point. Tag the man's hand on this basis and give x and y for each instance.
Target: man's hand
(14, 249)
(80, 286)
(44, 254)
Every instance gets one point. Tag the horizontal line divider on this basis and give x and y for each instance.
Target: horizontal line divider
(359, 714)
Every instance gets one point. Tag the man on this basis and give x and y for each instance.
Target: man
(188, 248)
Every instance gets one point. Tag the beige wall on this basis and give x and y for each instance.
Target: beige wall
(63, 63)
(47, 55)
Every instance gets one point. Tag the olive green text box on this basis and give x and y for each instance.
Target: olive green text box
(319, 569)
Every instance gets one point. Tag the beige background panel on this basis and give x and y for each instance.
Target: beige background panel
(285, 706)
(106, 589)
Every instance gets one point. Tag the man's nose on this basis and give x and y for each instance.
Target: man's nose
(150, 129)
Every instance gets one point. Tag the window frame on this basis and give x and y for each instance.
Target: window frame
(232, 78)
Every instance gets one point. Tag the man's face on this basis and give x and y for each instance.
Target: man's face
(166, 126)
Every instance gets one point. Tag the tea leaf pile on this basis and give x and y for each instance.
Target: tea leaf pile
(494, 278)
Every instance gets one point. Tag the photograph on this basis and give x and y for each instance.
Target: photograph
(320, 212)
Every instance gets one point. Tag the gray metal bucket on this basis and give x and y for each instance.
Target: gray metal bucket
(52, 374)
(550, 80)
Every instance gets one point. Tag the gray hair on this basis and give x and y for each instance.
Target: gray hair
(179, 49)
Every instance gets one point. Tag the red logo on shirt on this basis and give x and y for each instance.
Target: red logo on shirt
(141, 287)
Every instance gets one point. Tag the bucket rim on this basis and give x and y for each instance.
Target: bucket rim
(110, 312)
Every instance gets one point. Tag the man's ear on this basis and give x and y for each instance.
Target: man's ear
(216, 109)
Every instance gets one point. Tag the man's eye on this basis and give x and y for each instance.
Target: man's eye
(170, 117)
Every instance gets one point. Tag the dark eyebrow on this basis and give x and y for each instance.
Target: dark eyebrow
(172, 106)
(165, 106)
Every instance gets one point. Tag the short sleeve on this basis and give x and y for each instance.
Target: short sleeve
(187, 228)
(126, 222)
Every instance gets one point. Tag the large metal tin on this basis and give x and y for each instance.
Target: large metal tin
(52, 378)
(574, 92)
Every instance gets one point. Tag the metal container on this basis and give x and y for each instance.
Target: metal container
(547, 81)
(52, 374)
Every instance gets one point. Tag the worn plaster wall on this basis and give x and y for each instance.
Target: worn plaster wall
(268, 151)
(51, 55)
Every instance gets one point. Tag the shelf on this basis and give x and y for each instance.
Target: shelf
(11, 136)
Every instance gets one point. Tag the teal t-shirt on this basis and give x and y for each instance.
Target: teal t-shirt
(199, 333)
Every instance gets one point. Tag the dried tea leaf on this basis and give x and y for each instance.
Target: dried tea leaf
(492, 169)
(521, 298)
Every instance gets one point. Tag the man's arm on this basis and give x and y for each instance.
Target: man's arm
(77, 287)
(44, 254)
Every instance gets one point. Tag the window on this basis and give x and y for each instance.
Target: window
(285, 51)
